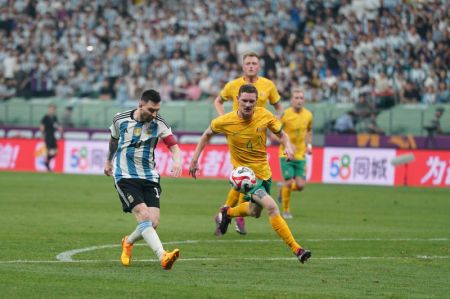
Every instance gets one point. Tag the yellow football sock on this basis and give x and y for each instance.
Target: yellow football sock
(293, 186)
(282, 229)
(285, 198)
(240, 210)
(241, 198)
(232, 198)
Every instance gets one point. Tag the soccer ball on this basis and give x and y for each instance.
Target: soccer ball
(242, 179)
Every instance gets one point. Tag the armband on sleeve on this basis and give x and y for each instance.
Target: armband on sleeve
(169, 141)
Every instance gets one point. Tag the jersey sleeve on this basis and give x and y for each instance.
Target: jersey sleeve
(274, 96)
(225, 93)
(114, 129)
(217, 125)
(165, 132)
(310, 122)
(274, 124)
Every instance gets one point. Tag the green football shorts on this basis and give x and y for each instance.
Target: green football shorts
(260, 184)
(293, 168)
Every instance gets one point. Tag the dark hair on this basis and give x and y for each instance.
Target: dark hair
(151, 95)
(248, 88)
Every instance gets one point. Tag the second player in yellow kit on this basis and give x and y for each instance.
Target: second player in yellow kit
(297, 123)
(267, 93)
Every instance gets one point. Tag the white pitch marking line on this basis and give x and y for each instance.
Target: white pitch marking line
(66, 256)
(201, 259)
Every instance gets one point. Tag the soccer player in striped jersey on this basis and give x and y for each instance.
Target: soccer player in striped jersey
(297, 123)
(134, 136)
(267, 93)
(246, 132)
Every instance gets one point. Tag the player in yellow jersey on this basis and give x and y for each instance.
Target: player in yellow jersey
(267, 93)
(246, 133)
(297, 123)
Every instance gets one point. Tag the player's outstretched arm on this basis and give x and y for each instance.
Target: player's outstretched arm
(218, 104)
(113, 144)
(176, 160)
(289, 148)
(278, 109)
(308, 140)
(193, 166)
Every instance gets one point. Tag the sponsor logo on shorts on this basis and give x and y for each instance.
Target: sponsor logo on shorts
(130, 198)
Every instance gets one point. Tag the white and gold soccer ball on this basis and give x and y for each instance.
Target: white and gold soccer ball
(242, 179)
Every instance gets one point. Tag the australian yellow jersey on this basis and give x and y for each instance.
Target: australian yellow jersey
(296, 125)
(247, 139)
(267, 91)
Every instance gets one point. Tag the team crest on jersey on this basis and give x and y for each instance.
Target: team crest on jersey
(137, 131)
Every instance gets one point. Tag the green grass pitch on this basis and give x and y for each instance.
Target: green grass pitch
(367, 242)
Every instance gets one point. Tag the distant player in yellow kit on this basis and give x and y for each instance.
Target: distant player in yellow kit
(267, 93)
(297, 123)
(246, 133)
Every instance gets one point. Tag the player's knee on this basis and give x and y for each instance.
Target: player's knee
(255, 213)
(155, 223)
(299, 187)
(272, 208)
(254, 210)
(142, 214)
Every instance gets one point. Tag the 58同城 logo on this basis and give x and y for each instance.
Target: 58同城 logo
(340, 166)
(358, 166)
(79, 158)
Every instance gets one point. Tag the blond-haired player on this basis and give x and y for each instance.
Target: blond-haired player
(246, 132)
(297, 123)
(267, 93)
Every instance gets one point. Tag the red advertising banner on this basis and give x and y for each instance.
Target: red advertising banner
(28, 155)
(329, 165)
(429, 168)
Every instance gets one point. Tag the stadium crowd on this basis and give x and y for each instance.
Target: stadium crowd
(339, 51)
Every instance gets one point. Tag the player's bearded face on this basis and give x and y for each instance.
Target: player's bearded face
(247, 103)
(148, 111)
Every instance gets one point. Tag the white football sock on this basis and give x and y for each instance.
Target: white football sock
(151, 237)
(134, 236)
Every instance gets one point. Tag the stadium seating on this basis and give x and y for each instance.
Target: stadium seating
(196, 116)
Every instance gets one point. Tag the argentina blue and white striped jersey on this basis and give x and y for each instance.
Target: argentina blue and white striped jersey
(134, 157)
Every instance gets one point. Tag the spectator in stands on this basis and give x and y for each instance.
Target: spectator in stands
(105, 90)
(443, 93)
(63, 89)
(345, 123)
(7, 91)
(383, 92)
(193, 91)
(429, 97)
(363, 109)
(411, 93)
